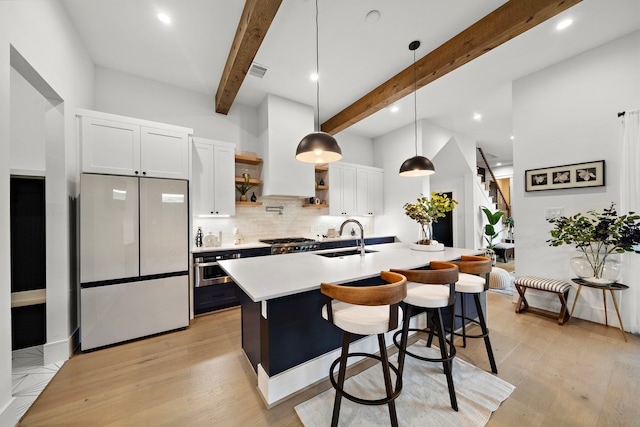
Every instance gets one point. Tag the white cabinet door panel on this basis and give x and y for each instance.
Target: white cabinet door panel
(110, 147)
(108, 227)
(164, 153)
(202, 178)
(164, 241)
(224, 180)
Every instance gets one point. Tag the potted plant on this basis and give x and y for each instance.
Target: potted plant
(427, 211)
(598, 236)
(490, 232)
(244, 187)
(509, 223)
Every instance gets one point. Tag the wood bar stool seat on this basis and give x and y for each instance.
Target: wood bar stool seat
(431, 291)
(474, 280)
(365, 310)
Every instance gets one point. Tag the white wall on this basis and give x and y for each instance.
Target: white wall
(567, 113)
(128, 95)
(355, 148)
(27, 127)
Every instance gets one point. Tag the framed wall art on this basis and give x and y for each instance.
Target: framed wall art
(578, 175)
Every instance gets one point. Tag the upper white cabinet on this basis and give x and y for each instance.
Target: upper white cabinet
(369, 191)
(120, 145)
(355, 189)
(342, 196)
(213, 177)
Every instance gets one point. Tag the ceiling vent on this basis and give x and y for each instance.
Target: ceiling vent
(257, 70)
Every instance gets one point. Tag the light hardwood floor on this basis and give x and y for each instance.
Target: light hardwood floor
(580, 374)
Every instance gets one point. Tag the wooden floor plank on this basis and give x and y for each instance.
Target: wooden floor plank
(581, 373)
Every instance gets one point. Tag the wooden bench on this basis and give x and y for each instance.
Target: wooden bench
(558, 287)
(504, 250)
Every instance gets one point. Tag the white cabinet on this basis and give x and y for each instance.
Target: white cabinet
(120, 145)
(369, 191)
(342, 179)
(355, 189)
(213, 177)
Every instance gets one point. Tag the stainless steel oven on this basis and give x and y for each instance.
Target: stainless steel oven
(208, 272)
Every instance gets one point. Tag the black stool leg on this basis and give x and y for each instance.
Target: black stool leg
(403, 343)
(446, 364)
(464, 320)
(485, 332)
(341, 374)
(387, 380)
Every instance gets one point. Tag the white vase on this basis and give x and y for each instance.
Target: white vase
(594, 267)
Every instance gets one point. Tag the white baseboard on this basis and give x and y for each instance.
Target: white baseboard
(60, 351)
(9, 414)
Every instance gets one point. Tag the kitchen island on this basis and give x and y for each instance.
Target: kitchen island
(284, 336)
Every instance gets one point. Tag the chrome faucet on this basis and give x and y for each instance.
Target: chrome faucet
(362, 252)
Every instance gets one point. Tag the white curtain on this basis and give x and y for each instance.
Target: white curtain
(630, 202)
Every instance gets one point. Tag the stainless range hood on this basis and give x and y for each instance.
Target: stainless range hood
(282, 124)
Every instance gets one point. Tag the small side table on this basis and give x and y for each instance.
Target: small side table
(610, 287)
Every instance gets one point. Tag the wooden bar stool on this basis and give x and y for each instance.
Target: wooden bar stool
(430, 290)
(365, 310)
(474, 280)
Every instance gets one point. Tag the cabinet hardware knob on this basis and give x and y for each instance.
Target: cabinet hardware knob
(144, 173)
(136, 172)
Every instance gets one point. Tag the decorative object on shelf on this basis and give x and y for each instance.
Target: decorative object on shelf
(253, 196)
(317, 201)
(510, 224)
(321, 181)
(416, 165)
(318, 146)
(577, 175)
(425, 212)
(598, 236)
(244, 187)
(490, 233)
(312, 200)
(199, 236)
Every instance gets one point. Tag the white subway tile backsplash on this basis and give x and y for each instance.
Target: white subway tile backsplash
(255, 223)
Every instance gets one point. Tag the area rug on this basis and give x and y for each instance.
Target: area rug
(424, 400)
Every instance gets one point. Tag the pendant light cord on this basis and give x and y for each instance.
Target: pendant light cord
(415, 102)
(317, 73)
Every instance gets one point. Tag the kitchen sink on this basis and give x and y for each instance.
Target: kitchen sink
(339, 254)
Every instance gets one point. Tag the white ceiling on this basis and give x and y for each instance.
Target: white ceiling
(355, 55)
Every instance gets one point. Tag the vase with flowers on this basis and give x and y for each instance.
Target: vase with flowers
(425, 212)
(599, 238)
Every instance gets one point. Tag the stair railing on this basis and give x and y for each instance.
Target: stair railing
(504, 199)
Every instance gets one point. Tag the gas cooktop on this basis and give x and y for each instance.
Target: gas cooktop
(291, 244)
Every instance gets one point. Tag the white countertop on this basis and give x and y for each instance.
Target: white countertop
(269, 277)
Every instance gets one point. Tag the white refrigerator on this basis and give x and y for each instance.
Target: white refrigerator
(134, 258)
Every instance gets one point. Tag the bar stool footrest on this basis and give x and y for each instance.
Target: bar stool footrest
(360, 400)
(451, 351)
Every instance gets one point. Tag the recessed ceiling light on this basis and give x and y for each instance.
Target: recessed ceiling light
(394, 108)
(313, 77)
(164, 18)
(498, 164)
(477, 117)
(564, 24)
(512, 137)
(373, 16)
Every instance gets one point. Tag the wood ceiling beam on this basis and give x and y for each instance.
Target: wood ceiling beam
(255, 21)
(508, 21)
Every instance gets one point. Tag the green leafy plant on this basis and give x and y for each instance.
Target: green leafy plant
(597, 234)
(245, 185)
(425, 210)
(490, 232)
(508, 221)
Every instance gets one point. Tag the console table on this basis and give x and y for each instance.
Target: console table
(610, 287)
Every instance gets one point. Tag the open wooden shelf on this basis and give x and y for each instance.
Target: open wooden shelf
(240, 180)
(249, 160)
(322, 168)
(239, 203)
(322, 187)
(318, 206)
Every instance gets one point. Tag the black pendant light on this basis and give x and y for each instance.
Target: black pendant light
(318, 147)
(417, 165)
